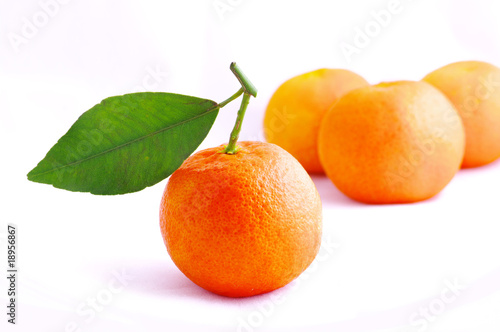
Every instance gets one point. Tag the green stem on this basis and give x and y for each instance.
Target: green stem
(230, 99)
(247, 89)
(231, 148)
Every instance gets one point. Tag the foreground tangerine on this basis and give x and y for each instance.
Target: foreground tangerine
(397, 142)
(294, 113)
(474, 88)
(243, 224)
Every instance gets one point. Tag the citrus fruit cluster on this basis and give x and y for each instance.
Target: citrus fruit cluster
(394, 142)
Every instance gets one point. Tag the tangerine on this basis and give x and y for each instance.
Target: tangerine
(474, 88)
(396, 142)
(243, 224)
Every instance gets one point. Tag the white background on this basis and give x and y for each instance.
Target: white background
(380, 266)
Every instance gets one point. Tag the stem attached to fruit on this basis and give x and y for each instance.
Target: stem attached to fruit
(231, 148)
(248, 90)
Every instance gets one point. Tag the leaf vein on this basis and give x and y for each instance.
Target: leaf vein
(210, 110)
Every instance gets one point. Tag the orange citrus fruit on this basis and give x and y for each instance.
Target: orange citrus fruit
(243, 224)
(474, 88)
(294, 113)
(396, 142)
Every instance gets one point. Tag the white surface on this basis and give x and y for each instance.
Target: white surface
(379, 265)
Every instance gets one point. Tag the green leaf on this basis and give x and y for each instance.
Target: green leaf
(127, 143)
